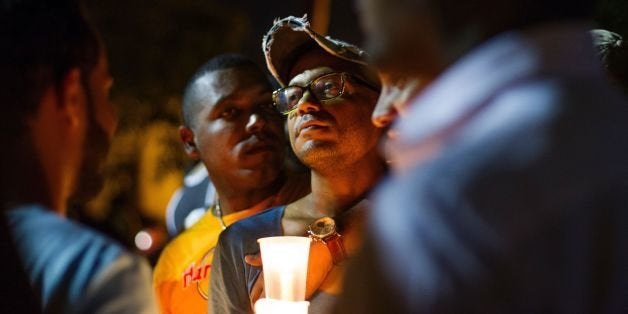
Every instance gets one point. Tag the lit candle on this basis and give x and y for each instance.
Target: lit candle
(270, 306)
(284, 262)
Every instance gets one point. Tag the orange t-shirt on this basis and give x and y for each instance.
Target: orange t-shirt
(181, 277)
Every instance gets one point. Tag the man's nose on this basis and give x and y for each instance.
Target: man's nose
(384, 115)
(256, 122)
(308, 103)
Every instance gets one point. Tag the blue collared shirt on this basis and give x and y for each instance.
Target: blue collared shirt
(77, 270)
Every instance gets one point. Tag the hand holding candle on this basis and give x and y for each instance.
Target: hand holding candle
(319, 266)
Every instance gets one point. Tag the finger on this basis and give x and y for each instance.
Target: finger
(253, 259)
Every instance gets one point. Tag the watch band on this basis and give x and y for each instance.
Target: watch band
(336, 248)
(324, 230)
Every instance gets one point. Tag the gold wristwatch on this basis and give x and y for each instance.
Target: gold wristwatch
(324, 230)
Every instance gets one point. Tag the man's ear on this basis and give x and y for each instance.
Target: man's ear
(71, 96)
(187, 138)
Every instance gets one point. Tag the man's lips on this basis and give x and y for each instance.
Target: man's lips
(311, 124)
(259, 148)
(256, 145)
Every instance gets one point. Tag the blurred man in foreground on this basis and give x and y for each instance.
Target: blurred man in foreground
(509, 185)
(54, 91)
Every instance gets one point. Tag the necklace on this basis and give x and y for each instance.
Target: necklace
(217, 211)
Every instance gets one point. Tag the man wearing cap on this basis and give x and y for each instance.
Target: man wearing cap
(510, 175)
(328, 96)
(230, 124)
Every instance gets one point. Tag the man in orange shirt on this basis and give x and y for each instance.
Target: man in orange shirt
(232, 126)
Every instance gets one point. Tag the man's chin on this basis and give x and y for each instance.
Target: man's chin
(261, 159)
(260, 175)
(87, 189)
(91, 180)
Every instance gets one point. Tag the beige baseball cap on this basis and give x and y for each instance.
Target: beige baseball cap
(288, 37)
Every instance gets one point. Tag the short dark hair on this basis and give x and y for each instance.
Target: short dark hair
(613, 52)
(41, 41)
(219, 62)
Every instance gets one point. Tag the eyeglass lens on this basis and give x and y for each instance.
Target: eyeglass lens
(323, 88)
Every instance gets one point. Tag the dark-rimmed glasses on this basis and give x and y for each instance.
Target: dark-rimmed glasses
(325, 87)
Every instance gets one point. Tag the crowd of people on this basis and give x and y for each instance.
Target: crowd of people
(464, 163)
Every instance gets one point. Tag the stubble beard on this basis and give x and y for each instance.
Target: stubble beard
(91, 176)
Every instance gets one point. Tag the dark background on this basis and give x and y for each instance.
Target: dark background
(154, 47)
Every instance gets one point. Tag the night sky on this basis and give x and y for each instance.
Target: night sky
(155, 48)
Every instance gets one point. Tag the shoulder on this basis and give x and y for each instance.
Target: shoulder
(44, 231)
(124, 286)
(185, 248)
(262, 223)
(196, 236)
(245, 232)
(62, 258)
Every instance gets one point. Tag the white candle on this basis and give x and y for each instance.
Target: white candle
(284, 262)
(270, 306)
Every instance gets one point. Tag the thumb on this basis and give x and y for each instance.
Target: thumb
(253, 259)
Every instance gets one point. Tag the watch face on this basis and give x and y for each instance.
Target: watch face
(323, 227)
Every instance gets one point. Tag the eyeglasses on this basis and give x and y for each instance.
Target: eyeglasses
(324, 87)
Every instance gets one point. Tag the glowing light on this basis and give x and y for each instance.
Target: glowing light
(285, 267)
(143, 240)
